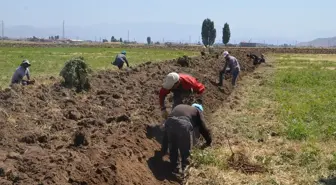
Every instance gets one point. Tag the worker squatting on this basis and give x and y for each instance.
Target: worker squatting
(183, 120)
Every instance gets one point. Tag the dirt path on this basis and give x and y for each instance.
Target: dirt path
(248, 122)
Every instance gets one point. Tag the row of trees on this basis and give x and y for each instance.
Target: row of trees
(209, 33)
(113, 39)
(54, 37)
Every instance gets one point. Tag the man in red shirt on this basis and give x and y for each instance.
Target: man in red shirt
(182, 85)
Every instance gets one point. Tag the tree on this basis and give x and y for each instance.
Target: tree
(113, 39)
(105, 40)
(208, 32)
(149, 40)
(120, 40)
(226, 34)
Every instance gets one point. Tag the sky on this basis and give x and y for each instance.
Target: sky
(292, 20)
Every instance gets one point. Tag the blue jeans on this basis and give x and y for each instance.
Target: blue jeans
(234, 73)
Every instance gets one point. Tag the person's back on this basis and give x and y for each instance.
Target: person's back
(195, 117)
(121, 56)
(19, 73)
(179, 131)
(233, 63)
(120, 60)
(184, 110)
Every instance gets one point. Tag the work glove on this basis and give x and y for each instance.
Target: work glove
(164, 113)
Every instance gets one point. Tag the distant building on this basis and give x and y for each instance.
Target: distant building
(74, 40)
(247, 44)
(252, 44)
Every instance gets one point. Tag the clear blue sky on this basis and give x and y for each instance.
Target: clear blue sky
(302, 19)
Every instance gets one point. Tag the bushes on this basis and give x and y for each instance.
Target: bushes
(76, 74)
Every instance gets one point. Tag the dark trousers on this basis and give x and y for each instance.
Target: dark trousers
(119, 63)
(235, 74)
(179, 95)
(180, 137)
(256, 61)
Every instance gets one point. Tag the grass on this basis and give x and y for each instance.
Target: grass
(49, 61)
(284, 120)
(307, 97)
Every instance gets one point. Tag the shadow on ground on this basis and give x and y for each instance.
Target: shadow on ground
(161, 169)
(328, 181)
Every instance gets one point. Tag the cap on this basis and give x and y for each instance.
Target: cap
(170, 80)
(26, 62)
(225, 53)
(198, 106)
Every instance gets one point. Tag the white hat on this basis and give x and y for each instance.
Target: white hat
(170, 80)
(225, 53)
(25, 62)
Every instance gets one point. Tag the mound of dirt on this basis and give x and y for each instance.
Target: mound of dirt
(107, 135)
(184, 61)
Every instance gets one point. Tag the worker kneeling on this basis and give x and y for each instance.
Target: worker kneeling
(20, 72)
(180, 133)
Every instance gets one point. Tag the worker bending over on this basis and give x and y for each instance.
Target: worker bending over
(255, 58)
(120, 60)
(179, 132)
(182, 86)
(232, 66)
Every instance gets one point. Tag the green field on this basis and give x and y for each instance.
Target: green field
(49, 61)
(307, 94)
(284, 118)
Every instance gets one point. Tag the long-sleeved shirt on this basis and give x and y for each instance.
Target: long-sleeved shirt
(120, 59)
(19, 74)
(232, 63)
(187, 82)
(196, 119)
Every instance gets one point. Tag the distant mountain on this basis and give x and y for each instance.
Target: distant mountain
(320, 42)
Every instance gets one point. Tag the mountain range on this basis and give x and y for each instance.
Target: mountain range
(320, 42)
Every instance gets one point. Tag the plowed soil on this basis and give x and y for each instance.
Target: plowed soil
(109, 135)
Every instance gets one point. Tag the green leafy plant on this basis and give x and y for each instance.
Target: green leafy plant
(76, 74)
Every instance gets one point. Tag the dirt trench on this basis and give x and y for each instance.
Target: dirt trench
(109, 135)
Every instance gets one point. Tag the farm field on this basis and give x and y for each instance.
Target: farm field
(283, 117)
(279, 121)
(48, 61)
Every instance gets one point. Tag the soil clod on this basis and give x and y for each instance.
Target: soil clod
(80, 139)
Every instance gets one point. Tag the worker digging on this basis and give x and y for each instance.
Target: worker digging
(20, 73)
(120, 60)
(179, 134)
(231, 66)
(256, 60)
(182, 86)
